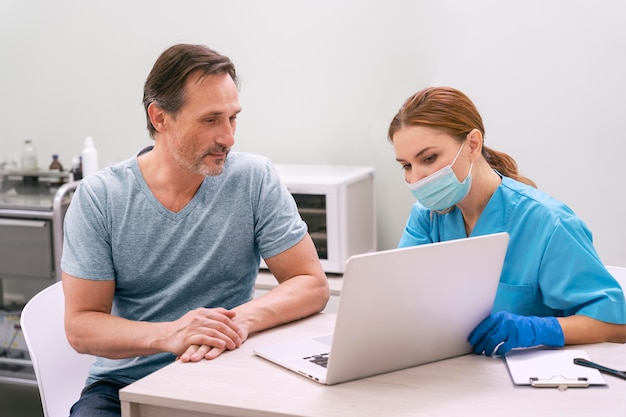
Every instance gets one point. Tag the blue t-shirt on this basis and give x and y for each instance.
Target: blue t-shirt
(551, 267)
(165, 264)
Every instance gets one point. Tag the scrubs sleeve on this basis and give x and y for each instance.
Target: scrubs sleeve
(418, 227)
(573, 279)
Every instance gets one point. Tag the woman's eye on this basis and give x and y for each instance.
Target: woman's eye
(430, 159)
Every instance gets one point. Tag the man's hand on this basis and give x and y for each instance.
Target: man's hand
(195, 352)
(203, 333)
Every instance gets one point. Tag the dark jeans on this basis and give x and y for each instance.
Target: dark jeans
(100, 399)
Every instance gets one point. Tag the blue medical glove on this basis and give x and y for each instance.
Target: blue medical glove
(505, 331)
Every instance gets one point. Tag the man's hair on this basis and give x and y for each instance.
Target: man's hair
(165, 85)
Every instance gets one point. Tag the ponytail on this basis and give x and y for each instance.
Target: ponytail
(505, 165)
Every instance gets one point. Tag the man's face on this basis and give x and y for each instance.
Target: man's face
(201, 134)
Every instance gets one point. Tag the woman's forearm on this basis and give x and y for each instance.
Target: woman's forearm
(581, 329)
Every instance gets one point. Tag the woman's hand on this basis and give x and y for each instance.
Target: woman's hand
(503, 331)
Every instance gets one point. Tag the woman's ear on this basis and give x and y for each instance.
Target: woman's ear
(475, 143)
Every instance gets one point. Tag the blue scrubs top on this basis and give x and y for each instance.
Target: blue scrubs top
(551, 267)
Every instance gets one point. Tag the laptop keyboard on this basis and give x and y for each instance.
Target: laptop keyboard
(320, 359)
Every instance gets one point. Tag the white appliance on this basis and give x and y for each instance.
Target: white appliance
(338, 204)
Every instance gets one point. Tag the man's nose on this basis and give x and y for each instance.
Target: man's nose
(226, 136)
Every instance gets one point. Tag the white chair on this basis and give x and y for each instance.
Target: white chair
(60, 370)
(619, 273)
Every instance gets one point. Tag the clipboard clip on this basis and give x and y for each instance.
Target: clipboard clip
(560, 382)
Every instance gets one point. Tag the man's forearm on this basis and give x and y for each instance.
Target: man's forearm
(291, 300)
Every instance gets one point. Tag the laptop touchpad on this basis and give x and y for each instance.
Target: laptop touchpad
(327, 340)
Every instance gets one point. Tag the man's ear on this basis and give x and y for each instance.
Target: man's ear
(157, 117)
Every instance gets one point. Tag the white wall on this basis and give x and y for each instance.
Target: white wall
(322, 79)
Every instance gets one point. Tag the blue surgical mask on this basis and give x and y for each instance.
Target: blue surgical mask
(442, 189)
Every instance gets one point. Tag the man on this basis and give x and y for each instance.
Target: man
(161, 251)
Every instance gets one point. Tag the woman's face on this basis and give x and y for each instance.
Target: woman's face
(422, 150)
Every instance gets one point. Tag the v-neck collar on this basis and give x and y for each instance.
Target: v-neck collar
(157, 205)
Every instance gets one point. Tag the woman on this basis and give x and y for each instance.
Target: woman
(554, 289)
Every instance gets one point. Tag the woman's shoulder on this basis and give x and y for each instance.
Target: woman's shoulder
(527, 197)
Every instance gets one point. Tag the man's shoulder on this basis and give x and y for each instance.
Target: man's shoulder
(247, 165)
(110, 180)
(247, 159)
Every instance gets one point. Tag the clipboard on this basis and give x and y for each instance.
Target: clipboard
(548, 368)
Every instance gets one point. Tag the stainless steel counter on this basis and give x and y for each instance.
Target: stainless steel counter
(32, 208)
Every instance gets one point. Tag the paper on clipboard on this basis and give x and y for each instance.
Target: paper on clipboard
(551, 368)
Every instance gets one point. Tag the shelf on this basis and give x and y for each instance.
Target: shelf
(37, 173)
(17, 371)
(15, 380)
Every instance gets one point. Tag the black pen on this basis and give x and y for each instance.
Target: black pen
(589, 364)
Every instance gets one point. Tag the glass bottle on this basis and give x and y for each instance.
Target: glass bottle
(29, 156)
(55, 165)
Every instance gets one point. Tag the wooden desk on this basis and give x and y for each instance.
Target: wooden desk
(241, 384)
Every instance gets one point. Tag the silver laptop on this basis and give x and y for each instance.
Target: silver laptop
(401, 308)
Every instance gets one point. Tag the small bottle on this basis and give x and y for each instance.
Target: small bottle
(76, 173)
(29, 156)
(89, 157)
(55, 165)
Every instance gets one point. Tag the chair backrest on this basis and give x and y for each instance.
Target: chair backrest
(619, 273)
(60, 370)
